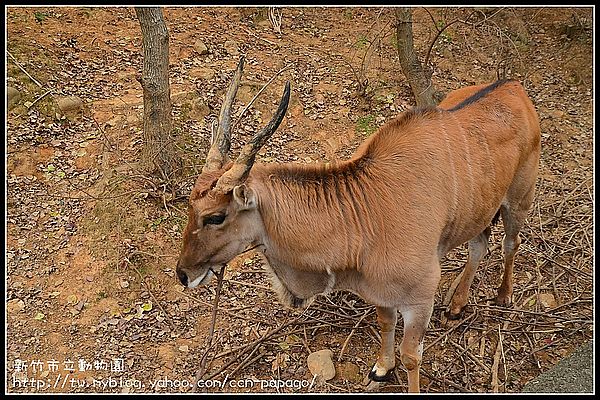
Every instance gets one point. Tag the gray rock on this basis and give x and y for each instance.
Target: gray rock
(320, 363)
(202, 73)
(200, 47)
(14, 306)
(231, 47)
(12, 96)
(70, 104)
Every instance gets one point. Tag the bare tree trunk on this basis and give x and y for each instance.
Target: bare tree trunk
(158, 155)
(419, 80)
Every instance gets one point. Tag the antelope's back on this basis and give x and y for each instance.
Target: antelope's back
(501, 112)
(494, 136)
(457, 96)
(450, 168)
(442, 173)
(484, 99)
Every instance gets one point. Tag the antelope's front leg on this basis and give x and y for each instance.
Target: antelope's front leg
(411, 348)
(382, 370)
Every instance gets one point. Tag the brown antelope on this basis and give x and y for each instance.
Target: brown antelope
(379, 223)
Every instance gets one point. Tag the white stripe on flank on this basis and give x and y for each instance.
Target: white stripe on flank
(452, 170)
(467, 146)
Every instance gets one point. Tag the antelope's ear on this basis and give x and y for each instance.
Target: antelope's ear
(245, 197)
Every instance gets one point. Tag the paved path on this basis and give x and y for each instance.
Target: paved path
(573, 374)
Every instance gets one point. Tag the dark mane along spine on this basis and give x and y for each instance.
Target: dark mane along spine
(333, 190)
(321, 179)
(321, 201)
(480, 94)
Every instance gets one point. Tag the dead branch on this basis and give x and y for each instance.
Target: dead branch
(211, 329)
(275, 16)
(260, 38)
(23, 69)
(440, 31)
(241, 113)
(41, 97)
(350, 335)
(143, 281)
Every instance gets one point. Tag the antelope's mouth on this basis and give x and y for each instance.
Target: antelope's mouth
(205, 277)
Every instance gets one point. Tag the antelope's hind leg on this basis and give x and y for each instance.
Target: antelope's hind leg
(514, 210)
(512, 219)
(477, 250)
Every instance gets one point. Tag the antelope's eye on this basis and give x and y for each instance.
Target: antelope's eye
(215, 219)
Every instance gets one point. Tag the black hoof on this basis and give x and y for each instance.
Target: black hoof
(384, 378)
(297, 302)
(454, 317)
(503, 302)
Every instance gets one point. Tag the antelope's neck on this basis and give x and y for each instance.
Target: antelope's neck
(312, 215)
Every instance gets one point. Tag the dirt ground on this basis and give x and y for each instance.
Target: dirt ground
(93, 303)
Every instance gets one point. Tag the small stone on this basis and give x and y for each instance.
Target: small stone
(202, 73)
(547, 300)
(70, 104)
(15, 306)
(79, 306)
(185, 348)
(231, 47)
(320, 363)
(124, 284)
(89, 278)
(200, 47)
(12, 96)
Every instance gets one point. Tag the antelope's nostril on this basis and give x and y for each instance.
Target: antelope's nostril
(182, 277)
